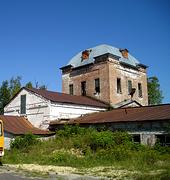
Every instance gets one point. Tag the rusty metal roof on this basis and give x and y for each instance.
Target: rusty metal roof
(67, 98)
(131, 114)
(19, 125)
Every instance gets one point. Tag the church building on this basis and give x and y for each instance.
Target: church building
(106, 73)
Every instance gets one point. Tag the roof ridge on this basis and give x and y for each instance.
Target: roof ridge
(67, 98)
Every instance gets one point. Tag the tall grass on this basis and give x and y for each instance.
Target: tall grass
(82, 147)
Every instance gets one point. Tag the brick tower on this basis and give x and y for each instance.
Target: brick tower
(106, 73)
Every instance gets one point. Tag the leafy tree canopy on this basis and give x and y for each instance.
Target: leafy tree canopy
(154, 92)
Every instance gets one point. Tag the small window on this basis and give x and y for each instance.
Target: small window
(129, 86)
(97, 85)
(119, 89)
(83, 88)
(140, 90)
(136, 138)
(23, 104)
(71, 89)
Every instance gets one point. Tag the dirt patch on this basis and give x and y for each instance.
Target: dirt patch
(86, 173)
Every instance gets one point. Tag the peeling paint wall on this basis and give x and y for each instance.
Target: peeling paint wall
(36, 108)
(7, 139)
(40, 111)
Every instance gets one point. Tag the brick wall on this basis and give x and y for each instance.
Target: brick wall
(107, 71)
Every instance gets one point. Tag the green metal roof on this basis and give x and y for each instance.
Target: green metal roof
(76, 61)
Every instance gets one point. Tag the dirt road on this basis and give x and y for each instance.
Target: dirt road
(7, 173)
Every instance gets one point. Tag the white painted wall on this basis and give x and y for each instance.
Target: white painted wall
(37, 108)
(40, 111)
(7, 139)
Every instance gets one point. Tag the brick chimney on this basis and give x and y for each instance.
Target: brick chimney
(124, 53)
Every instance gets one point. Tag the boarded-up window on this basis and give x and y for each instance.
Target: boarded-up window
(23, 104)
(83, 88)
(129, 86)
(119, 89)
(97, 85)
(139, 89)
(71, 89)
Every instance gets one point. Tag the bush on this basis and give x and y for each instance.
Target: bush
(59, 157)
(70, 131)
(149, 156)
(22, 142)
(120, 137)
(161, 149)
(101, 139)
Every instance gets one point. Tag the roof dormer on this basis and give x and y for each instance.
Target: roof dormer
(124, 53)
(85, 54)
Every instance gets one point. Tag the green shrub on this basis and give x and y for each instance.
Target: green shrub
(69, 131)
(101, 139)
(22, 142)
(86, 147)
(59, 157)
(149, 156)
(120, 137)
(161, 149)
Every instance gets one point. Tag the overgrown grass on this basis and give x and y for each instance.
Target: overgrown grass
(85, 148)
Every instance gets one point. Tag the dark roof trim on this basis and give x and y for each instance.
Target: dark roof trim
(128, 65)
(143, 66)
(66, 67)
(82, 66)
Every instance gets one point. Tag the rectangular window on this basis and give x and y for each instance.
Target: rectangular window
(83, 88)
(71, 89)
(119, 89)
(23, 104)
(129, 86)
(97, 85)
(136, 138)
(140, 90)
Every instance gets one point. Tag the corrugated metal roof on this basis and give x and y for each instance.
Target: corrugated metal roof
(131, 114)
(76, 61)
(19, 125)
(66, 98)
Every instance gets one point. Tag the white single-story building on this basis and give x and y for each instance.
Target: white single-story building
(17, 126)
(41, 106)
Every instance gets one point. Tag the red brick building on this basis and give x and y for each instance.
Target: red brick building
(106, 73)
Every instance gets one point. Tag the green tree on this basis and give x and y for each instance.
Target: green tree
(37, 86)
(44, 87)
(5, 95)
(29, 85)
(154, 92)
(15, 85)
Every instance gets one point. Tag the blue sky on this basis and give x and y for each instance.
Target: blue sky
(37, 37)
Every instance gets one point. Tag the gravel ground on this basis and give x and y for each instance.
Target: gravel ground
(37, 172)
